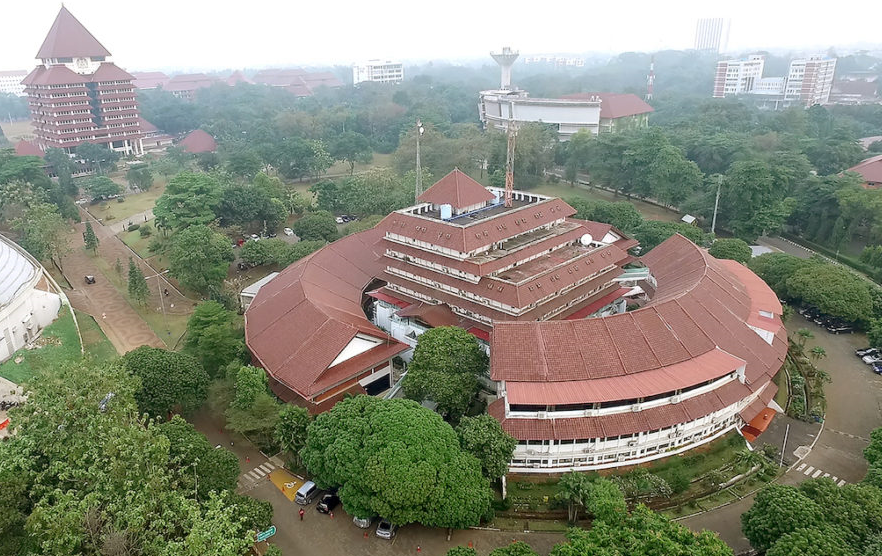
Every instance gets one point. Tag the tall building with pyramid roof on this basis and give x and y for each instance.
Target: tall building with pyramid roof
(78, 95)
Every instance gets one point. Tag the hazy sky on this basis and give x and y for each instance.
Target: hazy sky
(200, 34)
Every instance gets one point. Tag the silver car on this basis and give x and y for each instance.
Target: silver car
(386, 530)
(363, 522)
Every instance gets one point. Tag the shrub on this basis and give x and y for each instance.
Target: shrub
(133, 227)
(145, 230)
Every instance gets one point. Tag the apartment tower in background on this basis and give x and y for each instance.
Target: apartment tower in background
(378, 71)
(77, 95)
(735, 77)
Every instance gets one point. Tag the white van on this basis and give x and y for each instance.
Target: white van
(306, 494)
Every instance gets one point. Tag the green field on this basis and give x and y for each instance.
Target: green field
(114, 211)
(95, 342)
(60, 345)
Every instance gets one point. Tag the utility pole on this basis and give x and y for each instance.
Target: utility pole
(717, 203)
(419, 171)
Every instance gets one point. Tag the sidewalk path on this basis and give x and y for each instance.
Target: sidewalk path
(123, 223)
(124, 327)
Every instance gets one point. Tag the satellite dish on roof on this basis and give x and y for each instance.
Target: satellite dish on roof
(586, 240)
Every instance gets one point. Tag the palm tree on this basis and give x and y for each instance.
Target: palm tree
(804, 334)
(574, 491)
(817, 353)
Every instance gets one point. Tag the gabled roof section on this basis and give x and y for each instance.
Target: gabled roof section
(26, 148)
(68, 38)
(457, 189)
(111, 72)
(615, 105)
(870, 169)
(54, 75)
(198, 141)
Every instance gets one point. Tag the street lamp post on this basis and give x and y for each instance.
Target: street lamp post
(161, 300)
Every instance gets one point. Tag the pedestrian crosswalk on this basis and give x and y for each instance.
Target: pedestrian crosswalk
(811, 471)
(249, 478)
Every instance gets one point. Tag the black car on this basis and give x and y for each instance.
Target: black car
(866, 351)
(327, 503)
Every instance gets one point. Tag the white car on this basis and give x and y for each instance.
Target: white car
(870, 359)
(255, 237)
(339, 220)
(288, 232)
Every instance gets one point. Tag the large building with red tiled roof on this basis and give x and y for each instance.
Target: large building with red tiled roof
(582, 383)
(78, 95)
(871, 170)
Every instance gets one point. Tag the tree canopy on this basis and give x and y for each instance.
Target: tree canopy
(316, 226)
(189, 199)
(483, 437)
(734, 249)
(446, 364)
(170, 381)
(214, 337)
(398, 460)
(200, 258)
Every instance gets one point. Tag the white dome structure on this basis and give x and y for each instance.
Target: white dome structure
(27, 302)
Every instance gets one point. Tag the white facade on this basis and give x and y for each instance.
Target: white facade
(25, 308)
(735, 77)
(10, 82)
(496, 108)
(810, 81)
(378, 71)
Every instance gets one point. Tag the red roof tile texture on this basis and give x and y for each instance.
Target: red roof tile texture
(300, 321)
(615, 105)
(870, 169)
(68, 38)
(457, 189)
(198, 141)
(26, 148)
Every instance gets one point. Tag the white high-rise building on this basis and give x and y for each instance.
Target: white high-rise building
(711, 34)
(810, 81)
(10, 82)
(735, 77)
(378, 71)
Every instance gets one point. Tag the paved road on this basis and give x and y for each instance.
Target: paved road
(854, 399)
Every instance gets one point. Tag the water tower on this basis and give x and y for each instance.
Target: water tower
(506, 60)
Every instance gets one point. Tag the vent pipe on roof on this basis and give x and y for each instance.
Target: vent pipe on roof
(446, 211)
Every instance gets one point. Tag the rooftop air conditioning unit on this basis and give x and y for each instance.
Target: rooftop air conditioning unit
(675, 399)
(672, 434)
(632, 443)
(543, 414)
(635, 408)
(531, 452)
(620, 457)
(588, 450)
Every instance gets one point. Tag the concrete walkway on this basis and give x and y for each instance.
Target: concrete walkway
(123, 223)
(122, 325)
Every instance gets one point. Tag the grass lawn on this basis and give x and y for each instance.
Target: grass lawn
(94, 341)
(780, 380)
(113, 211)
(512, 524)
(60, 344)
(379, 160)
(649, 211)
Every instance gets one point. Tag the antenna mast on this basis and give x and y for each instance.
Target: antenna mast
(650, 79)
(419, 171)
(509, 158)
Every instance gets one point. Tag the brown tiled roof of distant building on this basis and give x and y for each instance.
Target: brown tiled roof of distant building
(149, 79)
(146, 126)
(870, 169)
(68, 38)
(615, 105)
(458, 190)
(198, 141)
(26, 148)
(108, 71)
(190, 82)
(54, 75)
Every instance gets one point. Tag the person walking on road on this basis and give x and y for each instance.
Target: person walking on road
(301, 512)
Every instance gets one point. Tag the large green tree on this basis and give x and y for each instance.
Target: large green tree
(214, 337)
(189, 199)
(291, 430)
(396, 459)
(137, 284)
(777, 511)
(447, 363)
(101, 187)
(653, 232)
(833, 289)
(170, 381)
(316, 226)
(44, 233)
(483, 437)
(812, 541)
(351, 147)
(734, 249)
(199, 258)
(199, 467)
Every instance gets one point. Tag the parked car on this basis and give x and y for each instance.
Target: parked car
(339, 220)
(306, 494)
(877, 368)
(362, 522)
(327, 503)
(866, 351)
(255, 237)
(90, 279)
(288, 232)
(841, 329)
(386, 530)
(870, 359)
